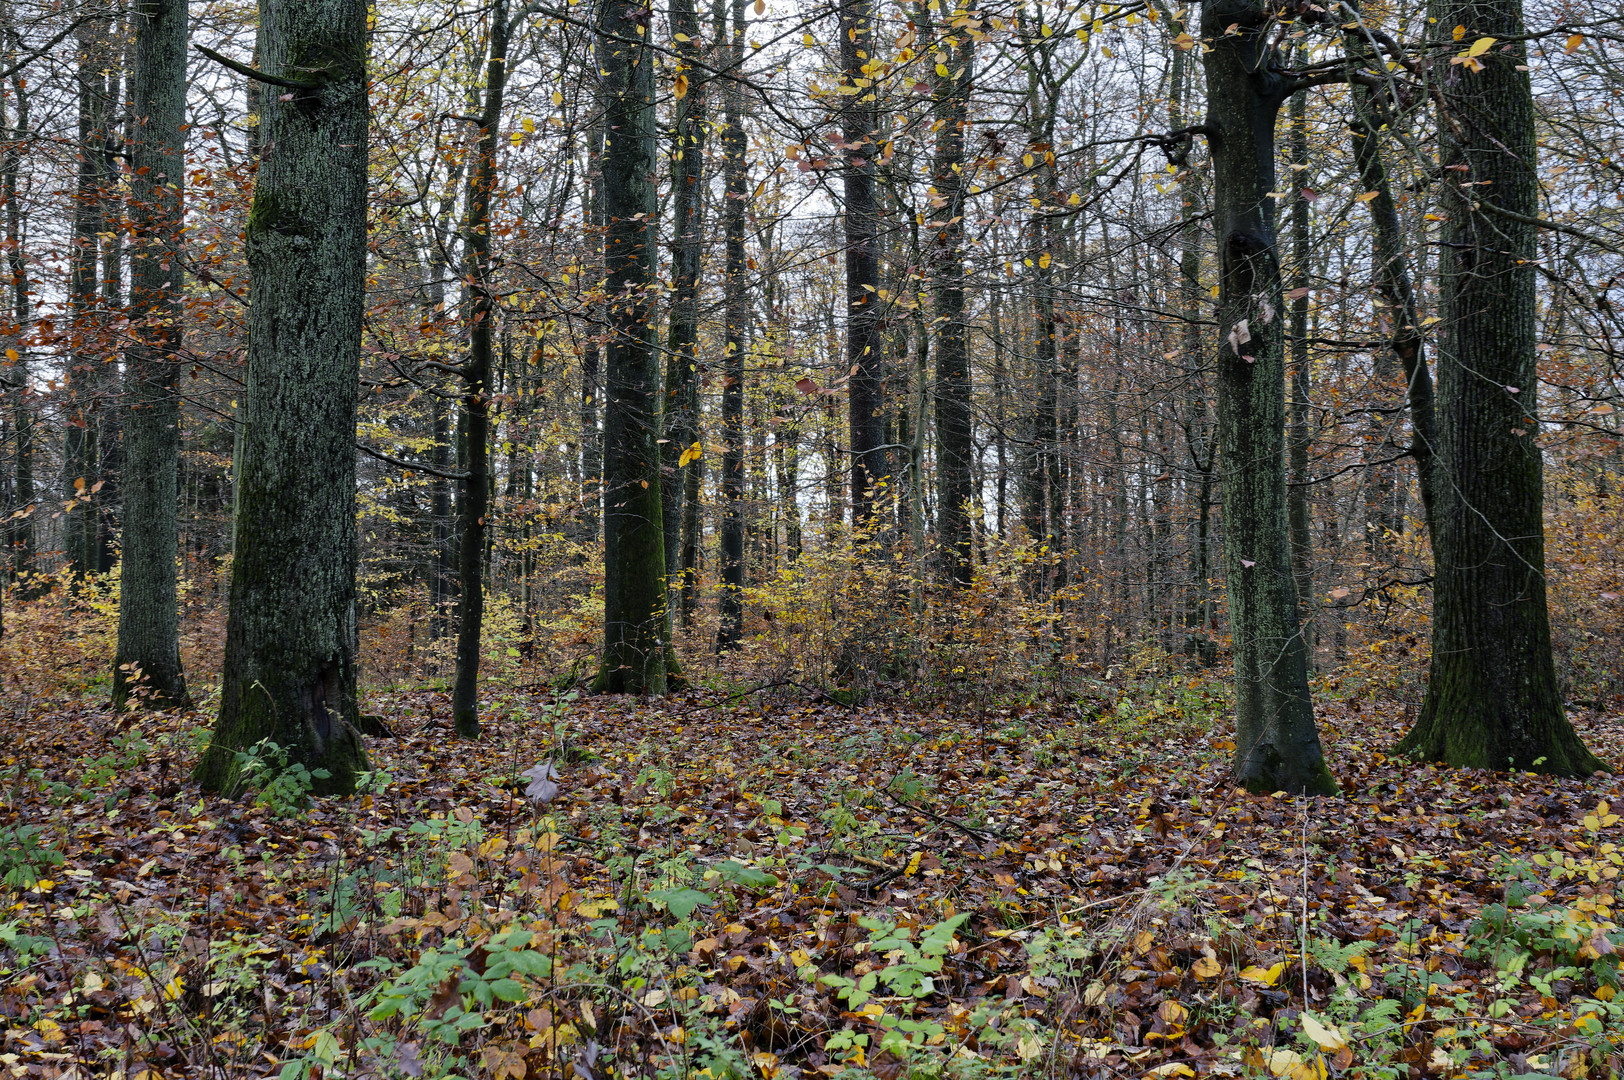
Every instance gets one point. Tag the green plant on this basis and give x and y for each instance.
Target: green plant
(24, 858)
(281, 786)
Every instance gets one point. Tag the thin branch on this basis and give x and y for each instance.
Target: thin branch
(413, 466)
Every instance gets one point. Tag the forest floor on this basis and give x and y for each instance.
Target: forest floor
(756, 887)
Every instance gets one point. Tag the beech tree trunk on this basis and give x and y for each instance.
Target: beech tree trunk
(1277, 746)
(636, 630)
(148, 653)
(289, 671)
(1493, 700)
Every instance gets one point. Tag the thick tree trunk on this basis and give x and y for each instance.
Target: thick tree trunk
(474, 500)
(636, 629)
(290, 632)
(950, 96)
(1493, 700)
(736, 312)
(1276, 744)
(863, 339)
(680, 417)
(148, 616)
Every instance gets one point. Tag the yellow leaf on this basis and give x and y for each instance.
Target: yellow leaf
(1460, 32)
(11, 354)
(558, 99)
(1328, 1037)
(1046, 30)
(1573, 43)
(1206, 968)
(808, 40)
(1026, 159)
(1366, 197)
(1076, 199)
(1185, 42)
(518, 138)
(1266, 976)
(529, 125)
(682, 37)
(1481, 46)
(680, 87)
(941, 71)
(913, 864)
(1044, 260)
(761, 7)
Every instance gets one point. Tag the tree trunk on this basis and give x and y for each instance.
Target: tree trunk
(736, 312)
(863, 339)
(84, 360)
(1493, 701)
(680, 417)
(474, 500)
(950, 100)
(1276, 744)
(1393, 279)
(636, 631)
(1302, 540)
(290, 646)
(148, 654)
(20, 533)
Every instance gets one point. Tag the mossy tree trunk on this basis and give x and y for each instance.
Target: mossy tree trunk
(635, 629)
(19, 533)
(148, 616)
(474, 498)
(1493, 700)
(289, 671)
(1277, 746)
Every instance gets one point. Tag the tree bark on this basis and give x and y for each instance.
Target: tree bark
(1493, 700)
(636, 630)
(1276, 745)
(290, 651)
(148, 655)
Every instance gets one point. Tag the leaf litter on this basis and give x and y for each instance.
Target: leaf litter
(794, 888)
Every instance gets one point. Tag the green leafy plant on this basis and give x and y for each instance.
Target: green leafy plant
(25, 858)
(281, 786)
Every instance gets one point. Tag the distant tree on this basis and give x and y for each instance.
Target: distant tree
(291, 635)
(148, 615)
(1492, 701)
